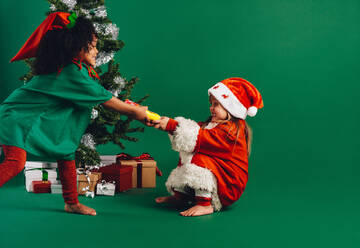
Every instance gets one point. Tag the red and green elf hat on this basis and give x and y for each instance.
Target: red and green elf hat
(54, 20)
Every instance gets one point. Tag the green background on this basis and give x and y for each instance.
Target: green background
(303, 189)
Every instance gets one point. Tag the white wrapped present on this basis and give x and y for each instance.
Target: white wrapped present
(105, 188)
(56, 188)
(39, 174)
(38, 164)
(108, 159)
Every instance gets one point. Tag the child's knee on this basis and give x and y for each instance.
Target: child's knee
(14, 157)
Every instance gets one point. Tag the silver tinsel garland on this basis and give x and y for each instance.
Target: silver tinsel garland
(94, 114)
(120, 82)
(100, 11)
(86, 13)
(103, 58)
(52, 7)
(88, 140)
(69, 3)
(115, 92)
(107, 29)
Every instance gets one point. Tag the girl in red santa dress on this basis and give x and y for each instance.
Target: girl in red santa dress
(213, 169)
(48, 116)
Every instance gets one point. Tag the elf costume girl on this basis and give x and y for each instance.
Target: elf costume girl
(213, 169)
(48, 116)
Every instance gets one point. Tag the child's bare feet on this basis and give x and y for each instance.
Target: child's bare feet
(79, 208)
(198, 210)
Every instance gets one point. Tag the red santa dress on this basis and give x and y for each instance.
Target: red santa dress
(213, 159)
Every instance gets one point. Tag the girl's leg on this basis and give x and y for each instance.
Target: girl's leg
(203, 204)
(68, 178)
(203, 197)
(13, 164)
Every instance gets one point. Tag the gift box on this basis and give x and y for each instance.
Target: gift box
(87, 182)
(144, 169)
(108, 159)
(38, 164)
(39, 174)
(56, 188)
(105, 188)
(41, 186)
(121, 175)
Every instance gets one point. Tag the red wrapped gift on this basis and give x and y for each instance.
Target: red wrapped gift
(41, 186)
(122, 175)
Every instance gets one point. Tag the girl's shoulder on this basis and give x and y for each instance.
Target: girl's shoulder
(232, 128)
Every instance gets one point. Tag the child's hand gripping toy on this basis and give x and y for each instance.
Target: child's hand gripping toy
(152, 116)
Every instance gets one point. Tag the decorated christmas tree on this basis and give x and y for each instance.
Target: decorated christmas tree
(106, 125)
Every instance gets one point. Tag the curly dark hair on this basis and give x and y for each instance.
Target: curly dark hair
(59, 46)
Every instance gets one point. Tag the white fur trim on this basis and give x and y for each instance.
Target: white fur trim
(185, 135)
(231, 103)
(202, 193)
(195, 177)
(186, 157)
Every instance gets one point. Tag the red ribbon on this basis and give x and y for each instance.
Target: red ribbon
(125, 156)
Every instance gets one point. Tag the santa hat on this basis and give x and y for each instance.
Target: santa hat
(54, 20)
(238, 96)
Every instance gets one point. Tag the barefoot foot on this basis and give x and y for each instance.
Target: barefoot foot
(198, 210)
(79, 208)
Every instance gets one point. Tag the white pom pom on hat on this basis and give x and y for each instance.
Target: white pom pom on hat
(238, 96)
(252, 111)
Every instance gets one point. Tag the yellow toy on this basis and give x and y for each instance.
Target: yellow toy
(152, 116)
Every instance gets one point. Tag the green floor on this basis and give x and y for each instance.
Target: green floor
(303, 189)
(132, 219)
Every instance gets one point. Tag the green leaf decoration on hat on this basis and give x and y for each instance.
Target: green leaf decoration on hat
(72, 18)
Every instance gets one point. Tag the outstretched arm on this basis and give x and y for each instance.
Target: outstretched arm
(135, 112)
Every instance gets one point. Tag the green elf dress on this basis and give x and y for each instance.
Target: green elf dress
(48, 116)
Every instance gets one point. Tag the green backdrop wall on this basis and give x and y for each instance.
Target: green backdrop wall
(302, 55)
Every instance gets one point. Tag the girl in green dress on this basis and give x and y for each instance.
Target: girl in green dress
(48, 116)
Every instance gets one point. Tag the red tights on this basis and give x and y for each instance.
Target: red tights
(14, 163)
(202, 201)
